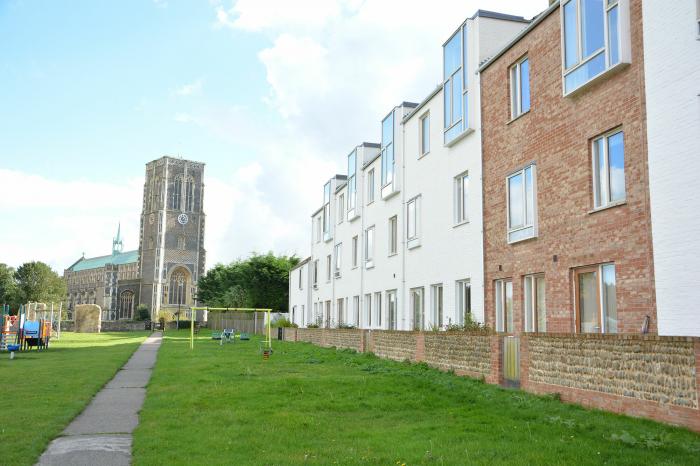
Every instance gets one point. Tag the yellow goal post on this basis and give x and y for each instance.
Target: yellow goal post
(267, 343)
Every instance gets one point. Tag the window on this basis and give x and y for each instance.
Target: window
(189, 194)
(341, 208)
(393, 235)
(388, 149)
(352, 181)
(521, 205)
(181, 242)
(369, 247)
(391, 309)
(354, 251)
(416, 295)
(328, 314)
(370, 186)
(520, 88)
(437, 305)
(464, 301)
(425, 134)
(178, 287)
(338, 258)
(176, 193)
(315, 274)
(592, 42)
(368, 310)
(596, 299)
(318, 229)
(328, 268)
(534, 303)
(356, 310)
(339, 308)
(454, 87)
(126, 305)
(461, 200)
(301, 278)
(608, 169)
(378, 308)
(412, 223)
(504, 306)
(327, 211)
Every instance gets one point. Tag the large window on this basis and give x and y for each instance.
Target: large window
(463, 301)
(328, 267)
(339, 309)
(534, 303)
(417, 306)
(341, 208)
(461, 191)
(393, 235)
(315, 274)
(189, 194)
(356, 310)
(596, 299)
(388, 149)
(522, 216)
(327, 316)
(354, 251)
(327, 211)
(412, 223)
(608, 169)
(368, 310)
(126, 305)
(436, 292)
(178, 287)
(520, 88)
(370, 186)
(352, 182)
(425, 134)
(504, 306)
(176, 193)
(391, 307)
(338, 258)
(454, 87)
(592, 42)
(378, 308)
(369, 247)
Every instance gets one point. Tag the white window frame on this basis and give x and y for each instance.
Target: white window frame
(413, 222)
(338, 250)
(369, 247)
(395, 324)
(327, 211)
(341, 208)
(437, 307)
(417, 296)
(393, 235)
(318, 228)
(424, 139)
(388, 175)
(355, 248)
(530, 312)
(370, 186)
(378, 308)
(356, 310)
(449, 137)
(463, 300)
(526, 225)
(352, 186)
(339, 308)
(315, 274)
(368, 310)
(329, 264)
(461, 199)
(602, 307)
(501, 294)
(516, 98)
(301, 277)
(604, 194)
(623, 45)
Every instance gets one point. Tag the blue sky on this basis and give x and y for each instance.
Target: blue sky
(270, 94)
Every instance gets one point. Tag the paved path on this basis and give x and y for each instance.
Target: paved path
(101, 434)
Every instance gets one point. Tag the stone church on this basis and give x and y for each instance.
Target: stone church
(163, 272)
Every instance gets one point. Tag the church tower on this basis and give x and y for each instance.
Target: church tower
(171, 244)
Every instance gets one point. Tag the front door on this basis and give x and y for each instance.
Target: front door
(588, 300)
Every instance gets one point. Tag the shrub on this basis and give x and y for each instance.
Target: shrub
(284, 322)
(165, 316)
(470, 325)
(313, 326)
(343, 325)
(184, 324)
(142, 313)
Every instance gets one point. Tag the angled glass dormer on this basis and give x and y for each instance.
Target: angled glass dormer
(455, 85)
(352, 186)
(388, 160)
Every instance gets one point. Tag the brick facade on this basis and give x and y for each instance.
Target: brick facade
(556, 135)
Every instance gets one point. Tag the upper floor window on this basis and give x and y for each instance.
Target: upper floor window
(181, 242)
(315, 274)
(425, 134)
(329, 261)
(608, 169)
(354, 251)
(370, 186)
(388, 149)
(520, 88)
(338, 258)
(454, 88)
(393, 235)
(352, 181)
(317, 228)
(522, 215)
(176, 193)
(461, 197)
(369, 247)
(189, 194)
(341, 208)
(592, 42)
(327, 211)
(412, 222)
(301, 277)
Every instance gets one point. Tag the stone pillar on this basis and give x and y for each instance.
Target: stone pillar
(88, 318)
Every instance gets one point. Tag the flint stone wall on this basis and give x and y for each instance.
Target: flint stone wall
(396, 345)
(458, 351)
(344, 338)
(310, 335)
(88, 318)
(646, 368)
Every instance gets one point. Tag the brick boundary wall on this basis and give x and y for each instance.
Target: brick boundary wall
(641, 376)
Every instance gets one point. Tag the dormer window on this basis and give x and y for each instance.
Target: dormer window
(593, 40)
(388, 149)
(327, 211)
(455, 85)
(352, 184)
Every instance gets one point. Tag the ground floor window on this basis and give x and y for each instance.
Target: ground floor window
(368, 310)
(436, 292)
(463, 305)
(418, 308)
(378, 307)
(534, 303)
(596, 299)
(328, 314)
(126, 305)
(339, 308)
(391, 309)
(356, 310)
(504, 305)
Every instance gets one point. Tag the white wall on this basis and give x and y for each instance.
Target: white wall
(299, 294)
(672, 79)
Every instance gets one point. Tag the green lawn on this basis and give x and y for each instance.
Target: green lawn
(225, 405)
(41, 392)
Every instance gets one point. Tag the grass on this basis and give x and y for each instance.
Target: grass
(309, 405)
(41, 392)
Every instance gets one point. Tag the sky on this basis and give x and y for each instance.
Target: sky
(270, 94)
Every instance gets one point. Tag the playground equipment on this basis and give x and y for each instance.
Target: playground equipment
(30, 328)
(229, 334)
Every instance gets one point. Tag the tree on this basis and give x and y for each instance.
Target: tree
(36, 282)
(261, 281)
(8, 286)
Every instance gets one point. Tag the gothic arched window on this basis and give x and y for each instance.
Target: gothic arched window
(181, 242)
(178, 285)
(189, 194)
(176, 193)
(126, 305)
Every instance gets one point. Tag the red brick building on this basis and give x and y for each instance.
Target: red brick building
(567, 235)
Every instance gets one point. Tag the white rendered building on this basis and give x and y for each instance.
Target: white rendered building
(398, 243)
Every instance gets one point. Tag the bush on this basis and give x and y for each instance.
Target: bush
(165, 316)
(470, 325)
(142, 313)
(313, 326)
(284, 322)
(343, 325)
(186, 324)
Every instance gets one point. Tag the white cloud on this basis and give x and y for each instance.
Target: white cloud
(190, 89)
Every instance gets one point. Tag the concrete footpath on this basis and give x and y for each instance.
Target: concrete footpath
(101, 434)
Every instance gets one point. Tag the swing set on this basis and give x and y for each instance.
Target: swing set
(230, 334)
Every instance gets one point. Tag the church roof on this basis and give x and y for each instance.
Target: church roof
(118, 258)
